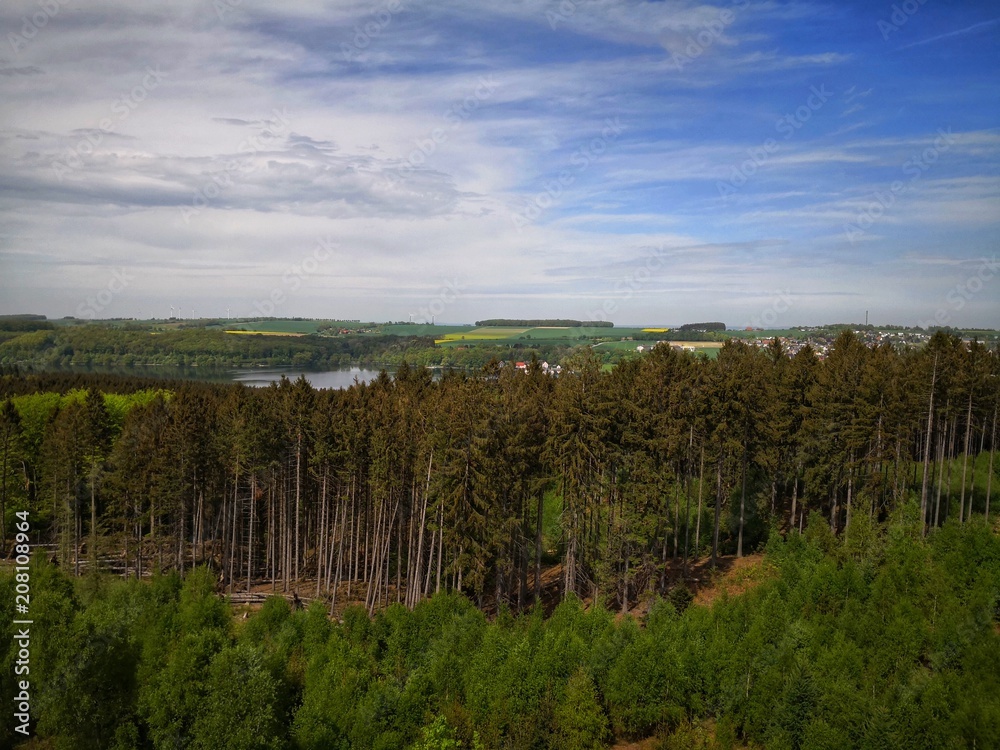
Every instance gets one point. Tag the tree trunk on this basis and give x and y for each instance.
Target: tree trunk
(298, 500)
(795, 497)
(951, 465)
(743, 502)
(718, 512)
(940, 475)
(989, 473)
(850, 494)
(927, 451)
(965, 456)
(253, 498)
(440, 554)
(701, 486)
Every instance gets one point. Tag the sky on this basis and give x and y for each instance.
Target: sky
(754, 162)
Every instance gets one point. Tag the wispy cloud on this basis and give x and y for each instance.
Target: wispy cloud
(974, 28)
(390, 151)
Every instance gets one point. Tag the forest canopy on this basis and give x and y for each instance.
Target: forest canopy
(887, 640)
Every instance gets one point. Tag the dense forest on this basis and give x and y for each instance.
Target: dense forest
(883, 640)
(419, 498)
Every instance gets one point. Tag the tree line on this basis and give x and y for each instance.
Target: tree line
(478, 481)
(550, 323)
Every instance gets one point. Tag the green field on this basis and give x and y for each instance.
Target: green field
(421, 329)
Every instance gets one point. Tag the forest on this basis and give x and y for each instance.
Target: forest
(424, 515)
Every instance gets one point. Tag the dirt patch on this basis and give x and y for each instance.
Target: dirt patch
(733, 576)
(647, 744)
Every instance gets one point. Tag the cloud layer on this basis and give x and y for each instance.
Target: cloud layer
(664, 161)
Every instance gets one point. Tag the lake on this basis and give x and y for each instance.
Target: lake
(259, 377)
(343, 378)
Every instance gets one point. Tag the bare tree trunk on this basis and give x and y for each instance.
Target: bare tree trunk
(180, 538)
(687, 512)
(233, 549)
(418, 572)
(92, 544)
(940, 474)
(989, 473)
(927, 451)
(850, 494)
(340, 560)
(539, 519)
(152, 535)
(272, 528)
(198, 547)
(437, 586)
(965, 457)
(427, 581)
(701, 486)
(77, 533)
(834, 508)
(718, 512)
(795, 497)
(375, 561)
(298, 500)
(951, 465)
(972, 479)
(743, 502)
(332, 538)
(253, 498)
(624, 585)
(677, 523)
(321, 535)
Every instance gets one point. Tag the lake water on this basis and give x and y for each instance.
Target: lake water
(343, 378)
(253, 376)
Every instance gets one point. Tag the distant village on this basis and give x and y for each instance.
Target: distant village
(821, 339)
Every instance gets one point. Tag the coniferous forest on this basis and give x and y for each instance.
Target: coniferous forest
(507, 559)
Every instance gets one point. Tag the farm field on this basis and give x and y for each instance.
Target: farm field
(276, 326)
(422, 329)
(267, 333)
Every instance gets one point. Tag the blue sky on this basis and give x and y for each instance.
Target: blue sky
(643, 162)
